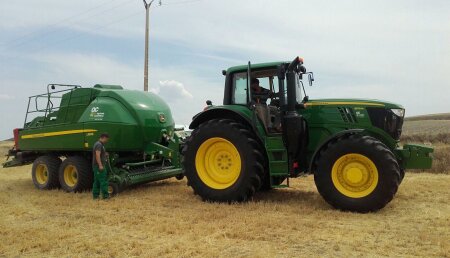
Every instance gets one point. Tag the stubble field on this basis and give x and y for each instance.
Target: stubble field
(166, 219)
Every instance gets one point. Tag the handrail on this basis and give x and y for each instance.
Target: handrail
(50, 105)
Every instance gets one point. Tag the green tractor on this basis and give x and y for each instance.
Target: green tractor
(62, 125)
(351, 146)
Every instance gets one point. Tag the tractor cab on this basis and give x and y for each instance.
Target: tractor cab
(263, 88)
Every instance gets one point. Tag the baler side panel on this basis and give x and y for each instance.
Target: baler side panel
(108, 115)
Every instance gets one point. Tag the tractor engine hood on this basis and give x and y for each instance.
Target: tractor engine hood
(353, 102)
(381, 114)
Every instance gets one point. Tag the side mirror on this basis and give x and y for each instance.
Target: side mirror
(310, 78)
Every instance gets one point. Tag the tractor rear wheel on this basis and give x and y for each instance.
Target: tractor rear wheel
(357, 173)
(223, 161)
(75, 174)
(45, 172)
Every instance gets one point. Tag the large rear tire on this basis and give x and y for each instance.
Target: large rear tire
(357, 173)
(223, 161)
(45, 172)
(75, 174)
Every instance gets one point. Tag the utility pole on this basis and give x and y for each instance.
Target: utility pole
(147, 13)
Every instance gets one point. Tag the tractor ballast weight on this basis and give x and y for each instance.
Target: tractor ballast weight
(144, 143)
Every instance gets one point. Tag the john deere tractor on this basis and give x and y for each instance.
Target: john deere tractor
(249, 144)
(62, 125)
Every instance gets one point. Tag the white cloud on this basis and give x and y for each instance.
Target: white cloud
(172, 90)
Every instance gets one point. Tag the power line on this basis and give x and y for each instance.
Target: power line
(93, 30)
(59, 25)
(83, 35)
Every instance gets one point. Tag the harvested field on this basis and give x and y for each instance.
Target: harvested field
(440, 116)
(434, 132)
(166, 219)
(427, 127)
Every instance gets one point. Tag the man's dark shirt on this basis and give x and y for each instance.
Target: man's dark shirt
(98, 146)
(260, 96)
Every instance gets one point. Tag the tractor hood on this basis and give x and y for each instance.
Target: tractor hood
(353, 102)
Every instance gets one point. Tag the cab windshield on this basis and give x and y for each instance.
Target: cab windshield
(268, 82)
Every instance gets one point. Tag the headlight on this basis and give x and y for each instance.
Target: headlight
(398, 111)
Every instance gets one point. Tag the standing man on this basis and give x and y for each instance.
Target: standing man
(99, 168)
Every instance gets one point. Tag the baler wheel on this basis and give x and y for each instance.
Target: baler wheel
(75, 174)
(223, 161)
(113, 189)
(357, 173)
(45, 172)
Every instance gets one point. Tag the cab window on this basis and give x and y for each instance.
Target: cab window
(240, 88)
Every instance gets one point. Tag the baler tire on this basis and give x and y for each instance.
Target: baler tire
(378, 169)
(84, 176)
(51, 165)
(113, 189)
(228, 133)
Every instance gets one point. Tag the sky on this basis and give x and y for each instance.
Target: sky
(397, 51)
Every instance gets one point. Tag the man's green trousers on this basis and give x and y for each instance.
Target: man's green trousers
(100, 183)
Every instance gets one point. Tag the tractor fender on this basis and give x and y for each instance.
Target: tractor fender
(331, 138)
(215, 113)
(223, 113)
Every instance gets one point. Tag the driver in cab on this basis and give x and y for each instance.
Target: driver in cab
(259, 97)
(259, 94)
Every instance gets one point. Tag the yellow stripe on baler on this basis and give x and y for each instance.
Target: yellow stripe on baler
(40, 135)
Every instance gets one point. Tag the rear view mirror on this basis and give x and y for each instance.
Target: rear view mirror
(310, 78)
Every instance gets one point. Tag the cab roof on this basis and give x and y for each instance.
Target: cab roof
(241, 68)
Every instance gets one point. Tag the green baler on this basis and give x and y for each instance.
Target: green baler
(144, 143)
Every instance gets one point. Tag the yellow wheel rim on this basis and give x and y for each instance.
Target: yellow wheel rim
(110, 189)
(218, 163)
(354, 175)
(42, 174)
(70, 175)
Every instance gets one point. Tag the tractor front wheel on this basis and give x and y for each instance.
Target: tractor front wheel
(223, 161)
(75, 174)
(357, 173)
(45, 172)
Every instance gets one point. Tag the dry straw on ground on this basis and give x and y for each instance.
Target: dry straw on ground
(166, 219)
